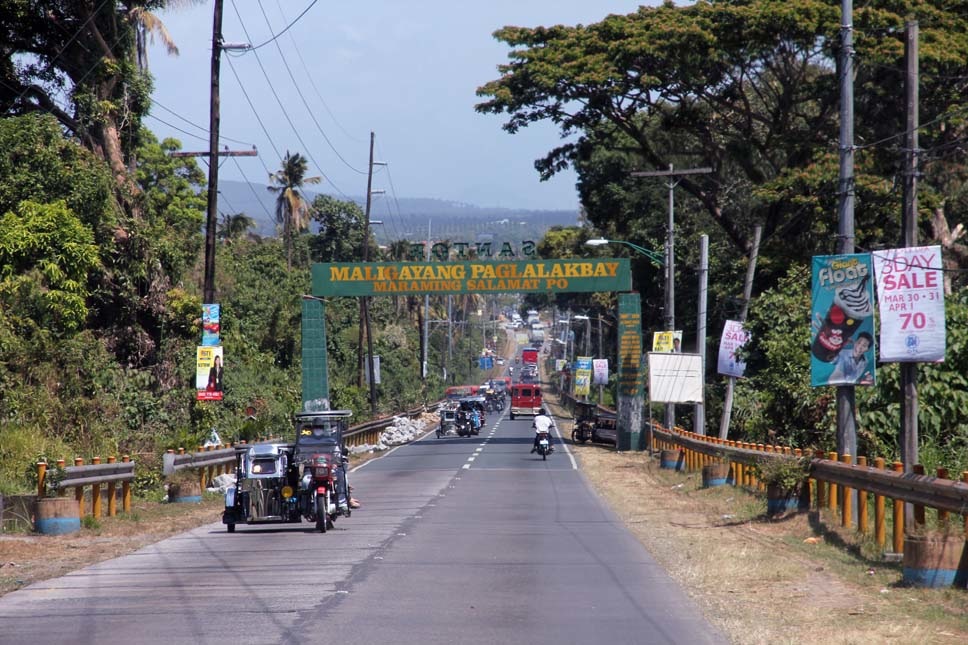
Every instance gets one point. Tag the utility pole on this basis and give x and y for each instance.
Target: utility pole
(909, 371)
(846, 421)
(426, 320)
(365, 301)
(669, 315)
(601, 388)
(211, 219)
(699, 410)
(743, 312)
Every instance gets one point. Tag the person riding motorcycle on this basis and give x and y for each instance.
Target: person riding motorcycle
(542, 427)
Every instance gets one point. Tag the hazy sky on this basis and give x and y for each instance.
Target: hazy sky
(407, 71)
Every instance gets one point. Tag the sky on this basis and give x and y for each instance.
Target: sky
(406, 71)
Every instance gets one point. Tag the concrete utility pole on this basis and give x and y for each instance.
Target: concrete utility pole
(699, 410)
(211, 219)
(364, 301)
(846, 421)
(743, 312)
(909, 221)
(669, 315)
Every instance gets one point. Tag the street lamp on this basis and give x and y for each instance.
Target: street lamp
(654, 257)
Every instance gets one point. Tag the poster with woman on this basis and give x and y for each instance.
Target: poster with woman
(842, 321)
(208, 373)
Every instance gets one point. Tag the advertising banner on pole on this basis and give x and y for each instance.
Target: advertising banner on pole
(675, 378)
(583, 375)
(600, 371)
(208, 373)
(734, 337)
(910, 300)
(667, 341)
(211, 324)
(842, 321)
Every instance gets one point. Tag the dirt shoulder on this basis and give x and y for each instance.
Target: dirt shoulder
(789, 581)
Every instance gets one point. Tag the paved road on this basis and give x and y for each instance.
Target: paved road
(461, 540)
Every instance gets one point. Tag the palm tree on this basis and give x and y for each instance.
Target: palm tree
(232, 227)
(292, 209)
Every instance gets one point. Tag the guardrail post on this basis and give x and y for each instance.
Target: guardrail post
(898, 516)
(919, 521)
(880, 533)
(964, 478)
(821, 485)
(942, 515)
(833, 492)
(96, 494)
(847, 508)
(126, 489)
(112, 493)
(211, 469)
(862, 503)
(41, 478)
(79, 490)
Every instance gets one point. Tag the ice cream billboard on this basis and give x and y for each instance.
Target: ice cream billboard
(910, 299)
(842, 321)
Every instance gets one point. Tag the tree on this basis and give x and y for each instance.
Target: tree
(232, 227)
(292, 209)
(340, 236)
(747, 88)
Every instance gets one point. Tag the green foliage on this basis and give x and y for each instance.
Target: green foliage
(46, 254)
(786, 473)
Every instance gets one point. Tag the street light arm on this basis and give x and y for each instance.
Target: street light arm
(654, 257)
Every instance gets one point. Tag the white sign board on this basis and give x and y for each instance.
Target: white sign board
(734, 337)
(675, 378)
(910, 298)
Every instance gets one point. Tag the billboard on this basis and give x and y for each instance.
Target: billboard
(675, 378)
(910, 300)
(842, 320)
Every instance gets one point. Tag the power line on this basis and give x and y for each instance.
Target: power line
(252, 188)
(255, 113)
(288, 27)
(282, 107)
(303, 99)
(202, 128)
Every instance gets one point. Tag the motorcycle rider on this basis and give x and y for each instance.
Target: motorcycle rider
(542, 426)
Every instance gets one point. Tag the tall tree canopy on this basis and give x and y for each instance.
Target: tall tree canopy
(292, 207)
(749, 89)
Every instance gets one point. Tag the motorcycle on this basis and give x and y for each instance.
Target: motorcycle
(544, 446)
(464, 428)
(319, 495)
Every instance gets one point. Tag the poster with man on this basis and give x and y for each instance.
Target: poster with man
(208, 373)
(910, 300)
(842, 321)
(667, 341)
(734, 338)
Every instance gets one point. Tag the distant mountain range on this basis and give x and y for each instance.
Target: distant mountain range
(408, 218)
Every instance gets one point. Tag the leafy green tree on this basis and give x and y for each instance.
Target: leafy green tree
(340, 236)
(292, 209)
(45, 256)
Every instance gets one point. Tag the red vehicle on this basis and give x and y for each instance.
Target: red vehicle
(529, 356)
(525, 399)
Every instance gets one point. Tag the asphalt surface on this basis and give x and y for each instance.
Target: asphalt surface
(460, 540)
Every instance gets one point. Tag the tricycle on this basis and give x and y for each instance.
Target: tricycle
(586, 418)
(448, 421)
(286, 482)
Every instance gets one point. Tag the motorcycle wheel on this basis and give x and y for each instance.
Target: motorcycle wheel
(230, 527)
(322, 517)
(544, 455)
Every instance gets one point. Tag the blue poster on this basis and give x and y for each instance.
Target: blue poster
(210, 325)
(485, 362)
(842, 321)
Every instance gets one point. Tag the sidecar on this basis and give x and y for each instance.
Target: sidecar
(263, 489)
(448, 422)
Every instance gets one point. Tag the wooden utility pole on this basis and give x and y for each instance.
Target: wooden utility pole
(909, 224)
(211, 219)
(364, 301)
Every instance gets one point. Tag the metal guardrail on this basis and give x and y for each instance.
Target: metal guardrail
(94, 475)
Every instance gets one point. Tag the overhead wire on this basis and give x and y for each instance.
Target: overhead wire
(288, 27)
(303, 98)
(312, 83)
(282, 106)
(255, 113)
(252, 188)
(200, 127)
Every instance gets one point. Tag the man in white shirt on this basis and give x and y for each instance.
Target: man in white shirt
(542, 426)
